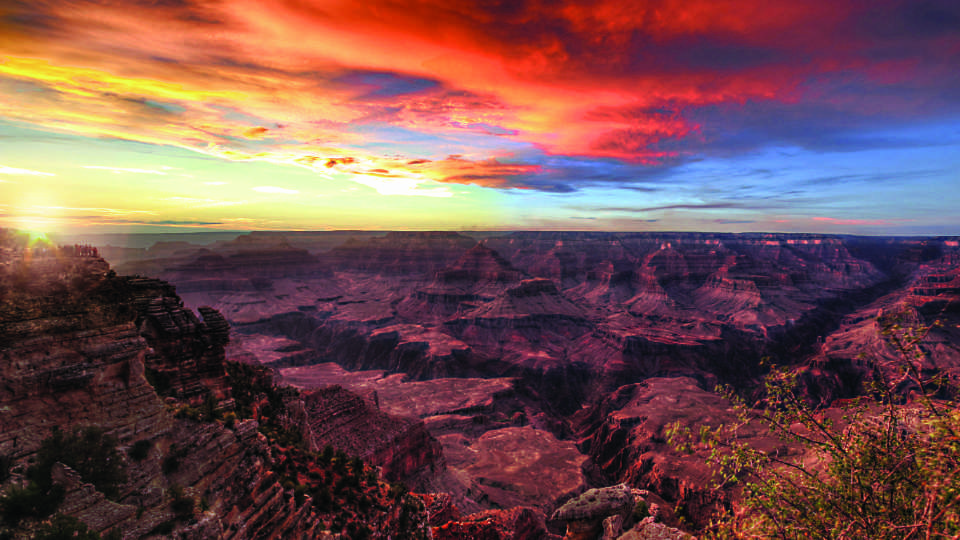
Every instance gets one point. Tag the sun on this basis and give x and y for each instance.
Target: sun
(37, 229)
(36, 237)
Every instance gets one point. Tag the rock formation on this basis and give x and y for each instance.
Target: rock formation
(604, 338)
(77, 344)
(401, 446)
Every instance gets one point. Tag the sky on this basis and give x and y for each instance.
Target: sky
(830, 116)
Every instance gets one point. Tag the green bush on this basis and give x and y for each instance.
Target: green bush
(181, 504)
(32, 501)
(641, 510)
(6, 463)
(140, 450)
(398, 490)
(165, 528)
(171, 463)
(63, 527)
(891, 470)
(159, 380)
(89, 451)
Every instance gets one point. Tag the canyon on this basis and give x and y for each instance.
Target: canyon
(497, 375)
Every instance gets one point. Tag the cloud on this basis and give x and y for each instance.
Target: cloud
(119, 170)
(275, 190)
(255, 132)
(194, 202)
(703, 206)
(25, 172)
(836, 221)
(621, 93)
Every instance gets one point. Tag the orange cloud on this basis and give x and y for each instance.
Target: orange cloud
(606, 79)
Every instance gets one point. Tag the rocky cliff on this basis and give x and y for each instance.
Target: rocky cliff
(402, 447)
(82, 347)
(600, 333)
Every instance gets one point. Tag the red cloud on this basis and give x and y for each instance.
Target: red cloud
(608, 79)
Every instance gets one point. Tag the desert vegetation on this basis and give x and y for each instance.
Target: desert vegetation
(886, 466)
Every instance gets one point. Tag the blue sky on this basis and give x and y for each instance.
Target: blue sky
(732, 115)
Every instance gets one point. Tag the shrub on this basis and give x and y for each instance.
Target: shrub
(892, 471)
(358, 531)
(6, 463)
(322, 498)
(398, 490)
(299, 494)
(63, 527)
(89, 451)
(140, 450)
(164, 529)
(32, 501)
(159, 380)
(641, 510)
(188, 412)
(171, 463)
(209, 408)
(181, 504)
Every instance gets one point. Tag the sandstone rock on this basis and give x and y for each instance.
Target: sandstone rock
(401, 446)
(649, 530)
(598, 512)
(512, 524)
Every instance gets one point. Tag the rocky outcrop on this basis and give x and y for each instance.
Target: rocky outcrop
(627, 328)
(477, 277)
(625, 434)
(187, 356)
(597, 512)
(402, 447)
(614, 513)
(512, 524)
(79, 357)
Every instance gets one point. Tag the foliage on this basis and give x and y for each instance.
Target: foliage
(63, 527)
(6, 463)
(247, 384)
(89, 451)
(885, 470)
(32, 501)
(398, 490)
(140, 450)
(165, 528)
(209, 409)
(181, 503)
(640, 510)
(159, 380)
(171, 463)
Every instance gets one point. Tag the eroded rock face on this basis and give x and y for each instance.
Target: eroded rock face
(498, 452)
(512, 524)
(625, 434)
(187, 356)
(596, 512)
(402, 446)
(577, 320)
(77, 358)
(573, 315)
